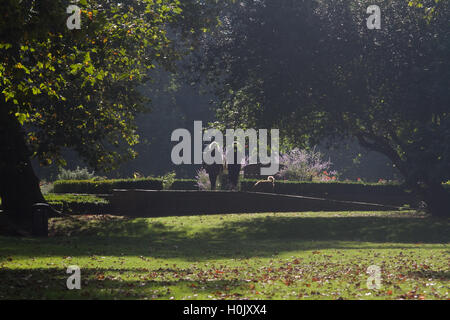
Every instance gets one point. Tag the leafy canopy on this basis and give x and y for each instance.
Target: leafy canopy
(78, 89)
(314, 70)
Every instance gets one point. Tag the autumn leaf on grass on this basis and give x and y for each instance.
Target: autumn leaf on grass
(288, 282)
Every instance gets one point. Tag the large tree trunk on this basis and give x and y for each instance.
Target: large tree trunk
(437, 199)
(19, 186)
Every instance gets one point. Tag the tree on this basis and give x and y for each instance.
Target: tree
(78, 89)
(314, 70)
(173, 105)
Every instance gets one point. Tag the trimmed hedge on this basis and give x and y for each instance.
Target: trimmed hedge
(326, 188)
(78, 203)
(184, 184)
(105, 186)
(386, 194)
(307, 188)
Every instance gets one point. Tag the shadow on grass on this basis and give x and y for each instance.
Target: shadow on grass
(104, 283)
(370, 229)
(258, 236)
(429, 274)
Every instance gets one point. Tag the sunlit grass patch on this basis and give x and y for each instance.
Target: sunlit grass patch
(257, 256)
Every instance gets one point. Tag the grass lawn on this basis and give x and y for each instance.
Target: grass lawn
(249, 256)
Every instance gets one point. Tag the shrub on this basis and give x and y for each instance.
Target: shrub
(202, 178)
(386, 194)
(310, 188)
(184, 184)
(304, 165)
(105, 186)
(79, 204)
(168, 179)
(77, 174)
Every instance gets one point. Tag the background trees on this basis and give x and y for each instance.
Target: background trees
(78, 89)
(314, 70)
(310, 68)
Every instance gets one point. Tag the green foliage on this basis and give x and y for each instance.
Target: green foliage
(54, 198)
(184, 184)
(106, 186)
(313, 188)
(77, 174)
(287, 187)
(78, 204)
(77, 89)
(429, 7)
(168, 180)
(388, 88)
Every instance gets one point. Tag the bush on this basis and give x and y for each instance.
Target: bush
(77, 174)
(168, 179)
(202, 180)
(309, 188)
(105, 186)
(304, 165)
(78, 204)
(184, 184)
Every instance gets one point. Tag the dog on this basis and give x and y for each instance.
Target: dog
(267, 186)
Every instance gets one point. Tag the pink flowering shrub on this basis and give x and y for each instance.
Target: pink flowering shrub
(304, 165)
(202, 178)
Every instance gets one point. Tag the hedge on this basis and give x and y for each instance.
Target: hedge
(105, 186)
(306, 188)
(328, 188)
(78, 203)
(184, 184)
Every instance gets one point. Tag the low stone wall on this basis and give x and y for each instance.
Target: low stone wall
(157, 203)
